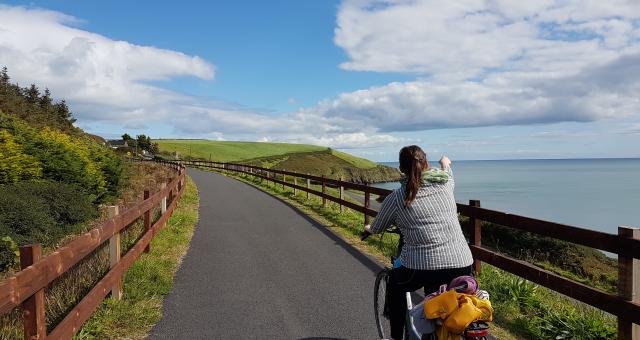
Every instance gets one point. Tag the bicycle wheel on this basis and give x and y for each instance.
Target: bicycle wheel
(379, 299)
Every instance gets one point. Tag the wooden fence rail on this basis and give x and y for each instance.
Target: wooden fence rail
(26, 287)
(626, 244)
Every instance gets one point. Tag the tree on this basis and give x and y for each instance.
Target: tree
(63, 114)
(32, 106)
(45, 100)
(132, 143)
(4, 77)
(32, 93)
(144, 142)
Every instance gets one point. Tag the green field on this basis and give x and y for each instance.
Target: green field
(310, 159)
(230, 151)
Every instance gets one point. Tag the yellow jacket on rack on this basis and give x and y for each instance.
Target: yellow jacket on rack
(457, 310)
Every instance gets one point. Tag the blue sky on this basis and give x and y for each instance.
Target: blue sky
(488, 80)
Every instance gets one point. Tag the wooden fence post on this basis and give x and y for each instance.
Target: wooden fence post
(628, 285)
(341, 194)
(114, 255)
(163, 202)
(147, 218)
(308, 186)
(33, 308)
(324, 200)
(284, 179)
(295, 190)
(475, 235)
(367, 204)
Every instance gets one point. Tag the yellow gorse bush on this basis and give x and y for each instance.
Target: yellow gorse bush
(15, 164)
(49, 154)
(83, 152)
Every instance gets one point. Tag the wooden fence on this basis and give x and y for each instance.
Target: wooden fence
(626, 244)
(26, 288)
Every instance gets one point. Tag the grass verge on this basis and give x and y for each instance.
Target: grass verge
(523, 310)
(148, 280)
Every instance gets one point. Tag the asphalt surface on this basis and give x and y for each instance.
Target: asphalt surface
(258, 269)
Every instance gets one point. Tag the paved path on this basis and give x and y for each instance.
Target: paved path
(257, 268)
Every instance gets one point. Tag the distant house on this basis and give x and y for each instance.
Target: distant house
(118, 143)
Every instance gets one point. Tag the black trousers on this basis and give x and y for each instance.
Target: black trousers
(403, 280)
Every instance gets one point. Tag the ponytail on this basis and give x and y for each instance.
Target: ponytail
(412, 161)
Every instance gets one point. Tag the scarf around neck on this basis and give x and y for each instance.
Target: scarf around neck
(431, 176)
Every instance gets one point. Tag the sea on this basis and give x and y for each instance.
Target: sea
(597, 194)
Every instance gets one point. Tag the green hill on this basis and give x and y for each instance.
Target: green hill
(331, 164)
(312, 159)
(230, 151)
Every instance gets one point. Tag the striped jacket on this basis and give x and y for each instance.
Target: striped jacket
(432, 234)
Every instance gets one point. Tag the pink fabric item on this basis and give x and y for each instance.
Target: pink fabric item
(471, 283)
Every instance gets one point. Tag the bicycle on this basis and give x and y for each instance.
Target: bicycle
(475, 331)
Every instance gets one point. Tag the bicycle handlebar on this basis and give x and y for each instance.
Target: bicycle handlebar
(392, 230)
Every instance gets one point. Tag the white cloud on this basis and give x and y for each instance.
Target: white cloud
(462, 39)
(606, 91)
(103, 79)
(485, 63)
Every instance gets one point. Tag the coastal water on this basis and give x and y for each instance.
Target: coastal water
(598, 194)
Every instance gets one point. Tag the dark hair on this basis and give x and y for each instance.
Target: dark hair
(412, 161)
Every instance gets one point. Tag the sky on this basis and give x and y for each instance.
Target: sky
(473, 79)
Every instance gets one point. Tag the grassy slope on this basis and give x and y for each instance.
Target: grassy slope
(148, 280)
(330, 165)
(358, 162)
(231, 151)
(315, 160)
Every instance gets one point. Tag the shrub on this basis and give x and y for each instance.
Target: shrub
(42, 212)
(15, 165)
(84, 171)
(577, 262)
(523, 292)
(8, 253)
(53, 155)
(111, 166)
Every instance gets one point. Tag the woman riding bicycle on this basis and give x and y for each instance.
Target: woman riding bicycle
(434, 250)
